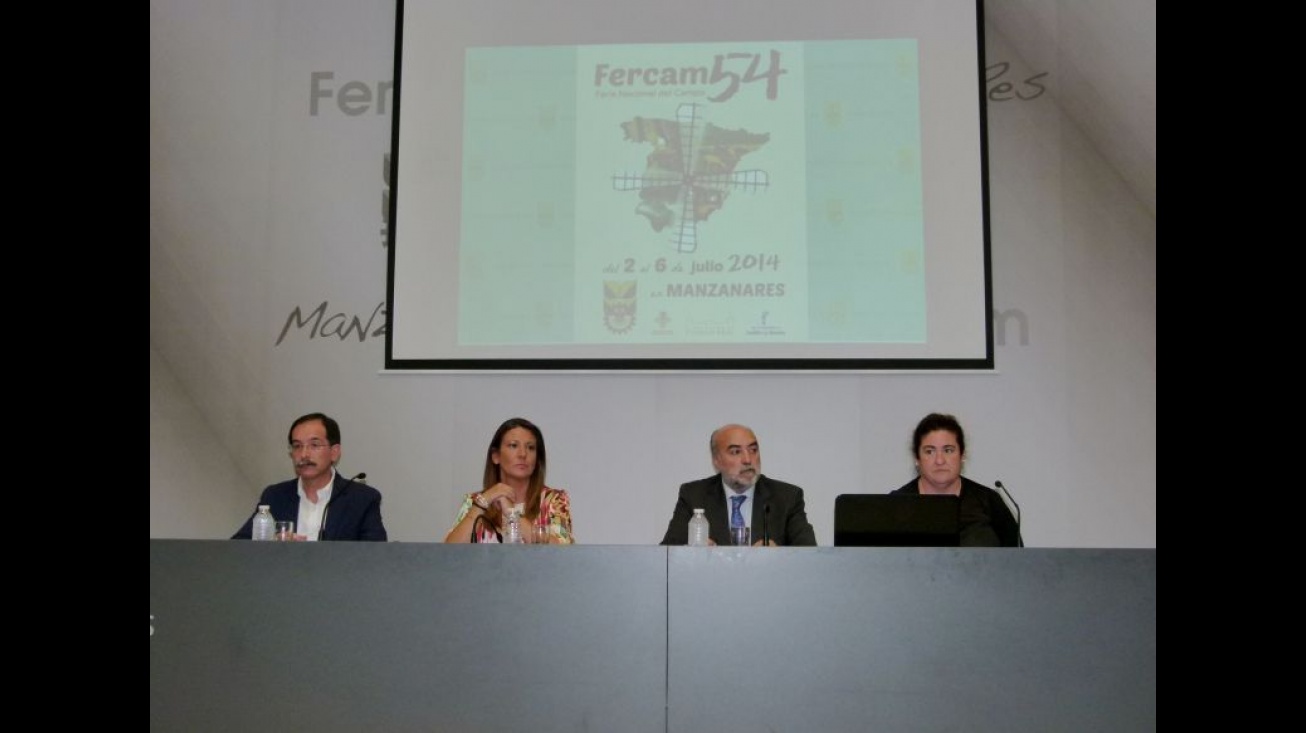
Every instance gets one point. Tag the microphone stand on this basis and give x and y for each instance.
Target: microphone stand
(326, 511)
(1020, 539)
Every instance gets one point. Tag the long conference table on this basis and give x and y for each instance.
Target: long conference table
(428, 637)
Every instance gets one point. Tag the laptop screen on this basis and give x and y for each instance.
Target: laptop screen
(896, 520)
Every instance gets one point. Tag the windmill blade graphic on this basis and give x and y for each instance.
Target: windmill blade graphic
(639, 182)
(685, 240)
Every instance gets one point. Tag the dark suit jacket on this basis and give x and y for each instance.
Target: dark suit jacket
(354, 512)
(787, 523)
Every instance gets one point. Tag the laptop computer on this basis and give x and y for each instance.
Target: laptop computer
(896, 520)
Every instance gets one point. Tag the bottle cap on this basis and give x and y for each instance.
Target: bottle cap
(261, 507)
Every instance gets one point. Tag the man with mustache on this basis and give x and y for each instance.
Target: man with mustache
(738, 461)
(323, 504)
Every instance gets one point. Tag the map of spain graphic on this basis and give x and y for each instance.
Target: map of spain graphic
(690, 172)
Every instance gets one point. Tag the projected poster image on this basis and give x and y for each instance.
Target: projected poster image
(517, 243)
(694, 193)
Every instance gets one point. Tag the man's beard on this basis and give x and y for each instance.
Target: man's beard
(740, 483)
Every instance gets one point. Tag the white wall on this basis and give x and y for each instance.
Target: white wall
(259, 207)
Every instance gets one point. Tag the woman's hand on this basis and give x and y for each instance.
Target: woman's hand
(501, 494)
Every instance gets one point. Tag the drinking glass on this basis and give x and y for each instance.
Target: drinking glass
(542, 535)
(285, 531)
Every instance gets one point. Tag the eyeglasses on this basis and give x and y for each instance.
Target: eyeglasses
(313, 446)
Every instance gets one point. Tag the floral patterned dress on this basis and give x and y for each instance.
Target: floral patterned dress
(554, 520)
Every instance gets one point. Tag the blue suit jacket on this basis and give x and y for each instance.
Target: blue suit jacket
(354, 512)
(786, 524)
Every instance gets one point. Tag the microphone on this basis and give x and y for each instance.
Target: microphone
(1020, 541)
(360, 478)
(766, 525)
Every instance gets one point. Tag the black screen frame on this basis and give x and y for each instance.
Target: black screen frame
(691, 364)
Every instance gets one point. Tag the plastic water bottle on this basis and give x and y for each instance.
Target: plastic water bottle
(698, 529)
(264, 524)
(513, 537)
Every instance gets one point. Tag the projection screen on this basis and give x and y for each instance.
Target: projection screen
(686, 185)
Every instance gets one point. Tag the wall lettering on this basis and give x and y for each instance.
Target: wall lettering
(352, 98)
(1000, 319)
(1001, 90)
(338, 325)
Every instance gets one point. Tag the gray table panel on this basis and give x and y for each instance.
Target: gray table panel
(394, 637)
(431, 637)
(911, 639)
